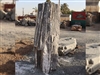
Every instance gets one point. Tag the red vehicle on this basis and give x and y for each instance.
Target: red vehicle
(79, 18)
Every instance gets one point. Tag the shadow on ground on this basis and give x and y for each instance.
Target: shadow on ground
(8, 68)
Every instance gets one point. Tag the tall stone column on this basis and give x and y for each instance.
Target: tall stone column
(47, 36)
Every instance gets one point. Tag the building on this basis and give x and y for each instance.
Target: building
(64, 17)
(92, 6)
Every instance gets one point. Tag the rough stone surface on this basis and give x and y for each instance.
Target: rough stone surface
(69, 65)
(24, 68)
(66, 45)
(92, 57)
(47, 36)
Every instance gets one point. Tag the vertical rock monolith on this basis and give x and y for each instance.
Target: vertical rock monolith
(47, 36)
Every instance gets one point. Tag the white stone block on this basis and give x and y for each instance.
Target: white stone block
(92, 57)
(66, 45)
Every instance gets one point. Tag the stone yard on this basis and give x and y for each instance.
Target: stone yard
(23, 51)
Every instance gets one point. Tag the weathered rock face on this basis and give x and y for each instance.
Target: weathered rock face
(24, 68)
(66, 45)
(92, 57)
(47, 36)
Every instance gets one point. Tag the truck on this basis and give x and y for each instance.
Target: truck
(78, 18)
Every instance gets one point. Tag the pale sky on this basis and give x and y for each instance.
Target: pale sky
(76, 5)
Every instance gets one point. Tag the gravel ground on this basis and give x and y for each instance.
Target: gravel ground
(94, 27)
(9, 33)
(74, 65)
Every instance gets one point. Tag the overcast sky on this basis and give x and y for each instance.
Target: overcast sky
(76, 5)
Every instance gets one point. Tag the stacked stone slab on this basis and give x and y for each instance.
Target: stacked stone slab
(66, 45)
(92, 57)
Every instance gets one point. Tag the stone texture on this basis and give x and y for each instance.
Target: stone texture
(76, 28)
(47, 36)
(92, 57)
(24, 68)
(66, 45)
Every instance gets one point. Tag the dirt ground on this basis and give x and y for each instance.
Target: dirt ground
(9, 56)
(16, 44)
